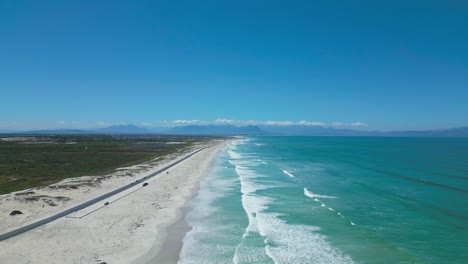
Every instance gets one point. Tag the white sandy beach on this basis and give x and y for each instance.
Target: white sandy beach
(131, 229)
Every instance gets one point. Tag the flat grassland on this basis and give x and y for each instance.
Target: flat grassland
(32, 161)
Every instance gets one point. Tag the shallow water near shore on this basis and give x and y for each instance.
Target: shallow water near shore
(332, 200)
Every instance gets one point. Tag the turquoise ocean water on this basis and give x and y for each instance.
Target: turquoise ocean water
(333, 200)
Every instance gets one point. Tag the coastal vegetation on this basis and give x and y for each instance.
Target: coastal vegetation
(32, 161)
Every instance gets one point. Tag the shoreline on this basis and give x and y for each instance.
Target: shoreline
(173, 232)
(170, 246)
(133, 228)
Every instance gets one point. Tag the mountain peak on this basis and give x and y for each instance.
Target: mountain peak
(216, 130)
(124, 129)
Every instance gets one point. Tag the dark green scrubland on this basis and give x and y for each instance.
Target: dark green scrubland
(32, 161)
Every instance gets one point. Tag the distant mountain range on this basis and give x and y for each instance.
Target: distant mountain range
(124, 129)
(118, 129)
(330, 131)
(229, 130)
(216, 130)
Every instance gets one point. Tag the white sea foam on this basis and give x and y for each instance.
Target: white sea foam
(234, 155)
(211, 188)
(247, 178)
(253, 204)
(288, 173)
(296, 243)
(283, 242)
(246, 253)
(263, 162)
(195, 251)
(314, 195)
(204, 226)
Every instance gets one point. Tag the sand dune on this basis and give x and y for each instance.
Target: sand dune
(130, 229)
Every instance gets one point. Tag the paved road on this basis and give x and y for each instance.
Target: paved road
(29, 227)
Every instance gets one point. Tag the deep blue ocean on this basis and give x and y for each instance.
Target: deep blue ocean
(332, 200)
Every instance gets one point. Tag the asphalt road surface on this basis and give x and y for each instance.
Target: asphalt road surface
(39, 223)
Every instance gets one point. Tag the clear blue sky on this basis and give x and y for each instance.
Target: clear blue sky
(389, 64)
